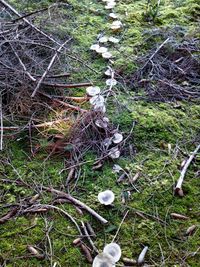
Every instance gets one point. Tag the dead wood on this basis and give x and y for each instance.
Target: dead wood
(178, 189)
(9, 215)
(170, 71)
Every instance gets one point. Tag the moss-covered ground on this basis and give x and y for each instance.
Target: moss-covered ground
(163, 136)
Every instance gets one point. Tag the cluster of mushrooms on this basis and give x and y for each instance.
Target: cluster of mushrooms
(111, 252)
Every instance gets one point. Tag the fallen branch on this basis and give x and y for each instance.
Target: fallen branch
(76, 202)
(178, 188)
(69, 106)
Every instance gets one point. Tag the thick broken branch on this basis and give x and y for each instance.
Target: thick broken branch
(178, 188)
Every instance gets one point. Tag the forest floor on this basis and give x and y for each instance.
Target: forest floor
(166, 131)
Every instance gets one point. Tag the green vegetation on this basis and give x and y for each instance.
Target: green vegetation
(164, 134)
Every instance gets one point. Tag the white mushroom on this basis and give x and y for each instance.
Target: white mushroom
(102, 123)
(116, 25)
(113, 40)
(100, 107)
(93, 90)
(103, 39)
(107, 142)
(117, 168)
(114, 250)
(106, 197)
(106, 55)
(101, 49)
(117, 138)
(97, 100)
(103, 260)
(108, 72)
(94, 47)
(114, 153)
(113, 16)
(110, 5)
(111, 82)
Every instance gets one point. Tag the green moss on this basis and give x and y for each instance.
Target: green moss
(158, 127)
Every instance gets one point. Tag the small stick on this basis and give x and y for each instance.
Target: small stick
(120, 225)
(89, 238)
(90, 229)
(157, 50)
(48, 69)
(69, 106)
(178, 188)
(72, 85)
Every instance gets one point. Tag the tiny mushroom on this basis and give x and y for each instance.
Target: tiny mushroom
(92, 90)
(101, 49)
(116, 25)
(113, 250)
(102, 123)
(117, 168)
(107, 142)
(100, 107)
(106, 197)
(106, 55)
(103, 260)
(117, 138)
(113, 16)
(94, 47)
(97, 99)
(114, 153)
(103, 39)
(113, 40)
(109, 72)
(110, 5)
(111, 82)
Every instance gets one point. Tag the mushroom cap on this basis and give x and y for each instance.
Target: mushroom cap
(107, 142)
(114, 153)
(102, 122)
(108, 72)
(116, 25)
(106, 197)
(113, 40)
(100, 107)
(113, 250)
(117, 168)
(93, 90)
(101, 49)
(94, 47)
(106, 55)
(117, 138)
(103, 260)
(97, 100)
(110, 82)
(113, 15)
(103, 39)
(110, 5)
